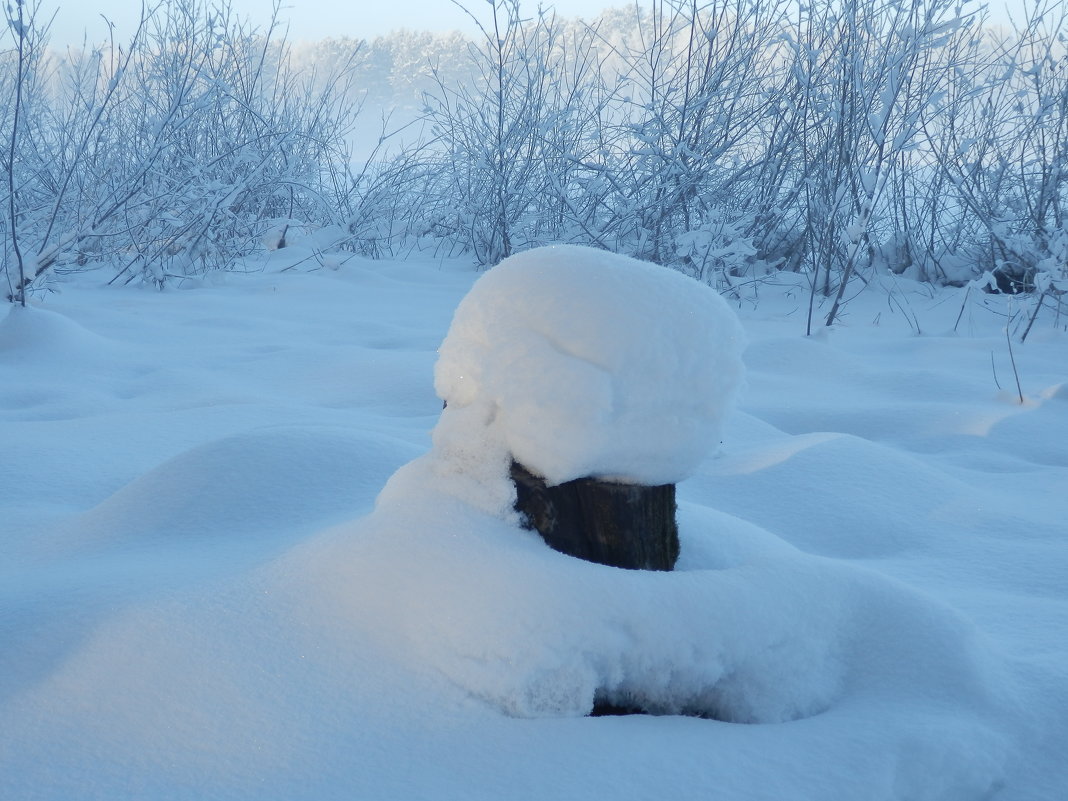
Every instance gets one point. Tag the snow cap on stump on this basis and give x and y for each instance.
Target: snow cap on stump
(587, 363)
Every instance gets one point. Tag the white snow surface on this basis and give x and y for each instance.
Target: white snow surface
(580, 362)
(235, 563)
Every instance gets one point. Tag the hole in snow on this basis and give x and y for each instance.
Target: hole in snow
(604, 707)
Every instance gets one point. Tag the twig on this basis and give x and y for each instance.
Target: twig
(1012, 359)
(967, 292)
(1034, 316)
(18, 27)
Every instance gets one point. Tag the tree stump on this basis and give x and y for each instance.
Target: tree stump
(621, 525)
(581, 362)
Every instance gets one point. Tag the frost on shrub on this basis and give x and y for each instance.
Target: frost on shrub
(718, 246)
(579, 362)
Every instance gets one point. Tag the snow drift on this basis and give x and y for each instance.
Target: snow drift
(869, 597)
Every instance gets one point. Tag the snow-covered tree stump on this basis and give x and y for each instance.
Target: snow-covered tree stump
(580, 386)
(622, 525)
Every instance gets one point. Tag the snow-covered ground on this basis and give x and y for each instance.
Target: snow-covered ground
(201, 599)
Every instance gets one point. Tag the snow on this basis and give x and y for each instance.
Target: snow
(581, 362)
(245, 555)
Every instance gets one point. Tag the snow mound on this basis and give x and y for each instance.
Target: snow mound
(28, 335)
(32, 341)
(766, 636)
(579, 362)
(246, 483)
(813, 471)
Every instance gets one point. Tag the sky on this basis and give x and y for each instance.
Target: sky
(308, 19)
(317, 19)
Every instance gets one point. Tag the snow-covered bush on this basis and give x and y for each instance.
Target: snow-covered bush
(169, 156)
(718, 251)
(508, 142)
(837, 139)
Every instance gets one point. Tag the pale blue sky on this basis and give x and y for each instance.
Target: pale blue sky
(315, 19)
(308, 19)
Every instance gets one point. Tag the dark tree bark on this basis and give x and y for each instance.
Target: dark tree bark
(622, 525)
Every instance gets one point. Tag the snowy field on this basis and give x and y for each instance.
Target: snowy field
(201, 599)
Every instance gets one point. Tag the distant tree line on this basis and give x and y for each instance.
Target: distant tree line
(731, 139)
